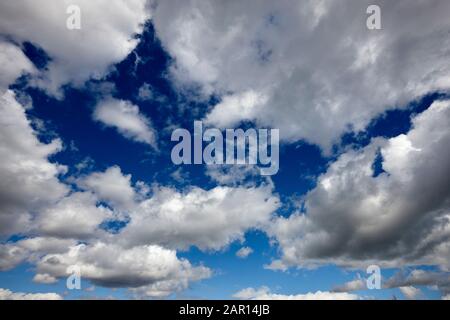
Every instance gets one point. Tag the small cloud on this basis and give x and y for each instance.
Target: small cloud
(44, 278)
(244, 252)
(410, 292)
(276, 265)
(126, 119)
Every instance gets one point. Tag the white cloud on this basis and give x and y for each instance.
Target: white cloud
(126, 118)
(232, 174)
(28, 180)
(10, 256)
(14, 63)
(111, 265)
(44, 278)
(318, 67)
(6, 294)
(353, 285)
(234, 108)
(75, 216)
(30, 249)
(208, 219)
(398, 218)
(111, 186)
(264, 293)
(106, 36)
(244, 252)
(410, 293)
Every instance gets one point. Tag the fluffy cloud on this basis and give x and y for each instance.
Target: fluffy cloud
(44, 278)
(310, 68)
(14, 63)
(75, 216)
(397, 218)
(6, 294)
(110, 265)
(28, 180)
(353, 285)
(208, 219)
(105, 37)
(126, 118)
(30, 249)
(410, 293)
(111, 186)
(264, 293)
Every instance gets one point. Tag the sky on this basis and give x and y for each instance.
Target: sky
(89, 190)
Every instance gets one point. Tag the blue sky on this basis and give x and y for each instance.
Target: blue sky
(329, 136)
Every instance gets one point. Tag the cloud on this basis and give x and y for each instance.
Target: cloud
(44, 278)
(410, 293)
(111, 265)
(264, 293)
(244, 252)
(75, 216)
(232, 174)
(126, 118)
(353, 285)
(417, 277)
(145, 92)
(111, 186)
(234, 108)
(30, 249)
(14, 63)
(29, 181)
(105, 37)
(406, 281)
(6, 294)
(208, 219)
(310, 68)
(400, 217)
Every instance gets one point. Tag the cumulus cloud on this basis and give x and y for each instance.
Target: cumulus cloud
(244, 252)
(44, 278)
(30, 249)
(126, 118)
(14, 63)
(76, 216)
(6, 294)
(353, 285)
(310, 68)
(264, 293)
(208, 219)
(105, 37)
(111, 186)
(28, 180)
(111, 265)
(410, 293)
(397, 218)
